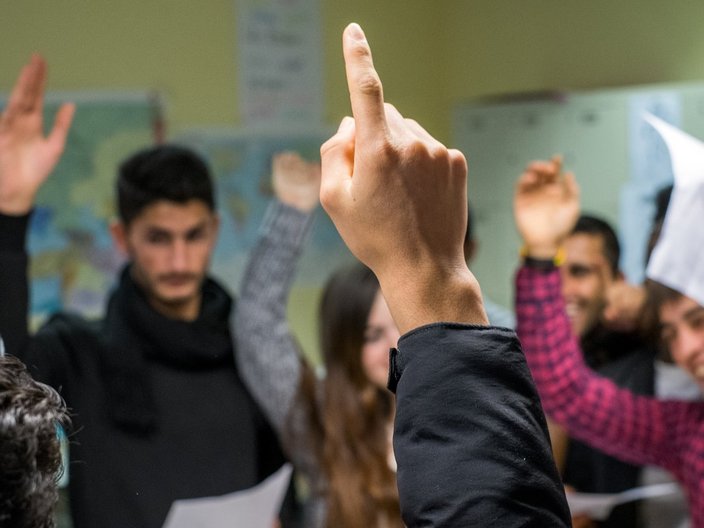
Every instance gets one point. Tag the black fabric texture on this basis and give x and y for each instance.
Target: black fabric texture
(133, 330)
(178, 424)
(470, 437)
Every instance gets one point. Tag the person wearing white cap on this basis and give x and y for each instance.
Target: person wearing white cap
(637, 429)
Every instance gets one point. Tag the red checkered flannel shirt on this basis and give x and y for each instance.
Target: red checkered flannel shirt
(637, 429)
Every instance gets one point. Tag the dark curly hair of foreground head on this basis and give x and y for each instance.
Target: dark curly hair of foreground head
(30, 457)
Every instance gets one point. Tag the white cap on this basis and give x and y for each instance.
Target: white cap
(678, 258)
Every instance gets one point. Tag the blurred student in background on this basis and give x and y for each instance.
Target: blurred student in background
(159, 411)
(637, 429)
(590, 269)
(337, 428)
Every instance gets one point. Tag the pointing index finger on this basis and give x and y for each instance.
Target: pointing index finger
(366, 92)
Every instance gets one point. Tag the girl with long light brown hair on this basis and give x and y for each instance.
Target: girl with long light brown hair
(336, 428)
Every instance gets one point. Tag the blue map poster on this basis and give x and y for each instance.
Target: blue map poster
(73, 263)
(241, 163)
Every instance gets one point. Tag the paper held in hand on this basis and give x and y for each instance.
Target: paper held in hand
(256, 507)
(598, 506)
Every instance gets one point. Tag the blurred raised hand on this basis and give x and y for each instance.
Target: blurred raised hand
(296, 181)
(624, 304)
(27, 156)
(546, 207)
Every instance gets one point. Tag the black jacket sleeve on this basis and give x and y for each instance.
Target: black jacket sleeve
(43, 354)
(14, 290)
(470, 437)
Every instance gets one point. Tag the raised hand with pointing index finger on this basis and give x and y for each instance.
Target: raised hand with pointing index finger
(470, 439)
(398, 198)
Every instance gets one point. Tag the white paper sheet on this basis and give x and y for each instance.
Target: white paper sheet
(598, 506)
(253, 508)
(676, 260)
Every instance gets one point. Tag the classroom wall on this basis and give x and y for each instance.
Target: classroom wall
(508, 46)
(187, 51)
(430, 54)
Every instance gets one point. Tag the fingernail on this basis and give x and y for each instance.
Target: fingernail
(355, 31)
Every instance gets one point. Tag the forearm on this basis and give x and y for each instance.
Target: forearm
(419, 296)
(14, 287)
(266, 351)
(474, 449)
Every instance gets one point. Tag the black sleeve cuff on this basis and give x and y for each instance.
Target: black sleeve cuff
(13, 232)
(427, 339)
(539, 264)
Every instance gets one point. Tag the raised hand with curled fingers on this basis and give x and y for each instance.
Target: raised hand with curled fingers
(624, 304)
(398, 198)
(27, 156)
(546, 207)
(296, 181)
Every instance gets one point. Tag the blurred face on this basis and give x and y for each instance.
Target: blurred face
(586, 275)
(169, 245)
(380, 335)
(682, 330)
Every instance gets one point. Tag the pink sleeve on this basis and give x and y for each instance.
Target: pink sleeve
(634, 428)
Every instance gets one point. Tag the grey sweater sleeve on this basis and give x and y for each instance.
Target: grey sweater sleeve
(266, 353)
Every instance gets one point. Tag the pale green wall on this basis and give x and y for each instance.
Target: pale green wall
(503, 46)
(187, 50)
(429, 53)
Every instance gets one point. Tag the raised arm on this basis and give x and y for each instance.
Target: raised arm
(27, 157)
(591, 408)
(266, 352)
(469, 436)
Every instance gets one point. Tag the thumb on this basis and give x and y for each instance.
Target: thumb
(337, 165)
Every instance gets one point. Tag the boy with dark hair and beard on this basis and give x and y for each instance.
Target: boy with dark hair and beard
(159, 412)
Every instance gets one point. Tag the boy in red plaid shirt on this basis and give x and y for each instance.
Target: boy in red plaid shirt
(637, 429)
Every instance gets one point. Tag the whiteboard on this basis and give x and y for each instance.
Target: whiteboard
(619, 162)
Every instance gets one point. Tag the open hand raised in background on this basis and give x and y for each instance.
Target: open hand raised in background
(546, 207)
(398, 197)
(296, 181)
(27, 157)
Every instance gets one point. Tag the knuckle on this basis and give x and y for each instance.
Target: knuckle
(387, 153)
(327, 146)
(429, 152)
(458, 161)
(438, 151)
(360, 50)
(328, 197)
(369, 84)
